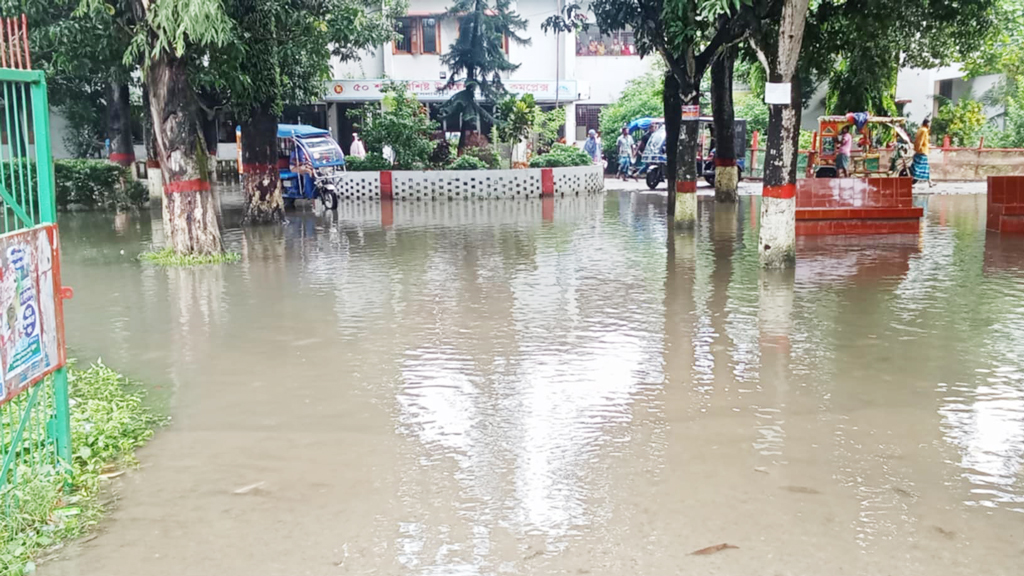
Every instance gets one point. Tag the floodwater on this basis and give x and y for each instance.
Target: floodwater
(525, 388)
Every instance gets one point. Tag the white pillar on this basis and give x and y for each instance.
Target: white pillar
(570, 123)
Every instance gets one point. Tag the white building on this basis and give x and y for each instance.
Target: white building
(581, 73)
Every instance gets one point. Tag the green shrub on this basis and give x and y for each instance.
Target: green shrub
(374, 162)
(168, 257)
(108, 421)
(483, 153)
(560, 156)
(97, 184)
(962, 122)
(402, 123)
(466, 162)
(83, 183)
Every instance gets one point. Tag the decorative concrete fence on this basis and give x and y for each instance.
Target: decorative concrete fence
(1006, 204)
(471, 184)
(856, 206)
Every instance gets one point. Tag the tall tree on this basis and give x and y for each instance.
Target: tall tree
(167, 35)
(778, 44)
(280, 53)
(688, 35)
(726, 168)
(477, 58)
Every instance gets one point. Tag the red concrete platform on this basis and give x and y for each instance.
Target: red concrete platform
(1006, 204)
(827, 206)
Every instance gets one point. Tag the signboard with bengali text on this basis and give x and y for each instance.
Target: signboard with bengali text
(434, 90)
(31, 313)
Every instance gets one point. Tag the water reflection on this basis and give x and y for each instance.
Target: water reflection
(563, 386)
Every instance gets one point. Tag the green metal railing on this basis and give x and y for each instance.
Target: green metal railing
(35, 431)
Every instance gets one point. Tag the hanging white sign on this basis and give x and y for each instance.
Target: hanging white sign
(777, 93)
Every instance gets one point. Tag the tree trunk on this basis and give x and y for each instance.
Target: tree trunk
(777, 245)
(671, 102)
(190, 219)
(726, 170)
(686, 159)
(119, 124)
(262, 183)
(154, 176)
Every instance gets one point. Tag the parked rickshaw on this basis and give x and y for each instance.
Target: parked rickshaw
(654, 155)
(309, 163)
(871, 135)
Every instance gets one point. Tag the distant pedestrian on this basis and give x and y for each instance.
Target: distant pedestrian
(625, 146)
(919, 168)
(357, 150)
(843, 153)
(591, 147)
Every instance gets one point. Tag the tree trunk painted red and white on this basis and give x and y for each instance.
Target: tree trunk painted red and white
(119, 124)
(190, 218)
(685, 214)
(726, 169)
(262, 184)
(777, 243)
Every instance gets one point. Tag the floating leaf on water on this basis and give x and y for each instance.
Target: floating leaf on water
(801, 489)
(712, 549)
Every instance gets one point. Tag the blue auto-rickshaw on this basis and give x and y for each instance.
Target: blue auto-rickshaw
(309, 163)
(315, 162)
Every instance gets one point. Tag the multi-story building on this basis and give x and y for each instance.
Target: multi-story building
(580, 72)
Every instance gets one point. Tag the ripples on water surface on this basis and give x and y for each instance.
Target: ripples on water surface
(507, 387)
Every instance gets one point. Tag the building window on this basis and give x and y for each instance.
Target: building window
(404, 28)
(946, 89)
(419, 35)
(588, 117)
(593, 43)
(430, 31)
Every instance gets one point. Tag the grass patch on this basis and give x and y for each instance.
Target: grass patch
(108, 421)
(168, 257)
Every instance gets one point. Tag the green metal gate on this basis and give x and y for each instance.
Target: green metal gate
(35, 432)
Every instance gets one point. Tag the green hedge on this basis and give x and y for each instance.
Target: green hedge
(561, 156)
(87, 184)
(468, 163)
(373, 162)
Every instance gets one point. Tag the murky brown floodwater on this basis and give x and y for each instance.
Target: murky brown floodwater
(496, 388)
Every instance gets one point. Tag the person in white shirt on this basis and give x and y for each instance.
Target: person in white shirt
(357, 150)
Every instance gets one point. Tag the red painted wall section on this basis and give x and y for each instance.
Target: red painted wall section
(547, 182)
(1006, 204)
(385, 185)
(856, 206)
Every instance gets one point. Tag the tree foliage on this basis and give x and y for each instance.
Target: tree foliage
(962, 122)
(403, 124)
(859, 46)
(641, 98)
(514, 120)
(477, 59)
(279, 52)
